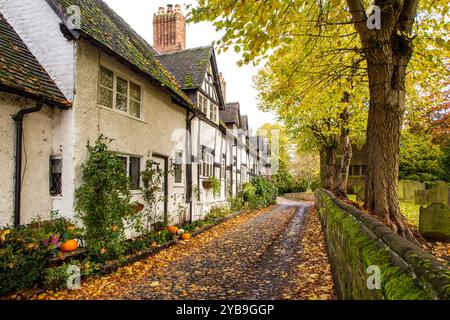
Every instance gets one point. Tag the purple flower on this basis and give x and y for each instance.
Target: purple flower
(54, 240)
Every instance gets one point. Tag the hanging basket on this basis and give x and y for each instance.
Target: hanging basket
(207, 184)
(137, 207)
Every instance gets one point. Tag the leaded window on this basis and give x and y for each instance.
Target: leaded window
(119, 94)
(55, 176)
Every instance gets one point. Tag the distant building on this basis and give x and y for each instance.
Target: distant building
(357, 169)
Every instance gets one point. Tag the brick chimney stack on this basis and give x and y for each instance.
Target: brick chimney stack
(169, 30)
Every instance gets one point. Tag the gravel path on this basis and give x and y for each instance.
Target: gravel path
(253, 256)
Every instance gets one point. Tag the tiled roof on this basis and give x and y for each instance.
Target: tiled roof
(231, 112)
(100, 23)
(21, 73)
(188, 66)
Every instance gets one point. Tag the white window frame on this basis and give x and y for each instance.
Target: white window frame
(127, 157)
(243, 173)
(207, 165)
(115, 93)
(223, 168)
(181, 183)
(208, 108)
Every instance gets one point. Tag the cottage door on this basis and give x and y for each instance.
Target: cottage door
(162, 163)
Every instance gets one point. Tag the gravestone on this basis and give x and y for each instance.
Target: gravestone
(407, 189)
(434, 221)
(440, 193)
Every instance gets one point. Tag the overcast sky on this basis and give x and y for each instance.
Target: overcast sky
(139, 14)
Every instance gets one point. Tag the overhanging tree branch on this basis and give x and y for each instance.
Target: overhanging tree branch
(360, 17)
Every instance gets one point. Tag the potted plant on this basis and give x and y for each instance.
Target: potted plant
(137, 207)
(215, 184)
(207, 184)
(212, 183)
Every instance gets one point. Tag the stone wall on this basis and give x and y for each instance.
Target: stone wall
(357, 241)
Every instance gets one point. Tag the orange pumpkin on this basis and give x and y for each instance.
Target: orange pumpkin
(173, 229)
(69, 246)
(186, 236)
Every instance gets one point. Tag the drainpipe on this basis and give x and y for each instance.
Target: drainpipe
(189, 162)
(18, 119)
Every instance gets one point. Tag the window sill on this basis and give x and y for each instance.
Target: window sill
(136, 192)
(178, 185)
(122, 113)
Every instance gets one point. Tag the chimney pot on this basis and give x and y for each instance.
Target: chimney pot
(169, 8)
(161, 10)
(177, 8)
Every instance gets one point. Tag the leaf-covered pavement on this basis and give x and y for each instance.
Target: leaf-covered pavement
(275, 253)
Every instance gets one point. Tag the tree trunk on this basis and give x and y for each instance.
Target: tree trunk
(330, 154)
(341, 185)
(387, 72)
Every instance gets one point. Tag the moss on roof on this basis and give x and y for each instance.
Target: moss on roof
(188, 66)
(103, 25)
(20, 71)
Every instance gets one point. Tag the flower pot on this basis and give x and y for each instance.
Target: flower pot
(207, 184)
(137, 207)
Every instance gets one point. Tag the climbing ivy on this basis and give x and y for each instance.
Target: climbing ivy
(152, 178)
(103, 201)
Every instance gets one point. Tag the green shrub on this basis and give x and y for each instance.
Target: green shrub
(162, 237)
(284, 181)
(315, 184)
(236, 203)
(103, 201)
(56, 278)
(151, 217)
(194, 225)
(139, 244)
(300, 185)
(265, 192)
(420, 158)
(22, 259)
(217, 212)
(215, 185)
(248, 192)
